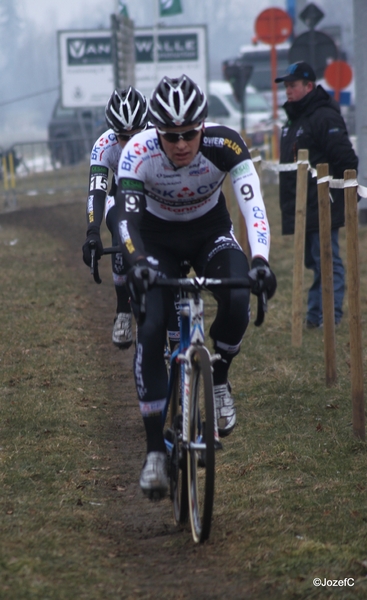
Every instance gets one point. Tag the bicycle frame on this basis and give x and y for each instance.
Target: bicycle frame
(191, 312)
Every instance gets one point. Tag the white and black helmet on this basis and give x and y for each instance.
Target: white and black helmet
(126, 110)
(177, 103)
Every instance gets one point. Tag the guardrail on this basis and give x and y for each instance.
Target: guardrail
(31, 169)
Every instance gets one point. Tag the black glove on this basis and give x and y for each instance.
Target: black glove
(263, 276)
(140, 278)
(93, 240)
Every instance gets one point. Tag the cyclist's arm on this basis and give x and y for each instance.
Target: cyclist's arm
(98, 181)
(246, 185)
(228, 151)
(131, 203)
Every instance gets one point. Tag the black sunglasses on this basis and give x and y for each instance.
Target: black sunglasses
(187, 136)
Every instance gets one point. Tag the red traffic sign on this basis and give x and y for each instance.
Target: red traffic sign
(273, 26)
(338, 74)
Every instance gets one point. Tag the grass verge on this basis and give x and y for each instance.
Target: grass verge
(291, 481)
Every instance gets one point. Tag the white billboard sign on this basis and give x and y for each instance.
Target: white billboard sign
(179, 50)
(86, 72)
(86, 69)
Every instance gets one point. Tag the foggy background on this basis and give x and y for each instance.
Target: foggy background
(29, 57)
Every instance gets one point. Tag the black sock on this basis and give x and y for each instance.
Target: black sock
(123, 300)
(154, 431)
(221, 366)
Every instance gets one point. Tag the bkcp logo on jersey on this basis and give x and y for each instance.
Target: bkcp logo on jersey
(260, 225)
(140, 149)
(89, 51)
(185, 193)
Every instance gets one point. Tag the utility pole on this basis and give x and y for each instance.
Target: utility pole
(360, 78)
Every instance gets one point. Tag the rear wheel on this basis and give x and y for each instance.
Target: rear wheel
(201, 454)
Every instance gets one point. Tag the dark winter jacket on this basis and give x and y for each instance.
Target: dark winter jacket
(314, 124)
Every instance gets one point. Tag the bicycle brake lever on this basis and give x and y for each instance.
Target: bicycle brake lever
(94, 263)
(142, 310)
(142, 304)
(262, 302)
(262, 308)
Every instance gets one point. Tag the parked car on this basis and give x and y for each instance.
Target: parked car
(73, 131)
(224, 108)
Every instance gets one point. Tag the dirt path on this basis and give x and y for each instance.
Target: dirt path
(153, 557)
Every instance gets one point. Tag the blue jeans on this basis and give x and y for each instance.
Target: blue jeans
(312, 261)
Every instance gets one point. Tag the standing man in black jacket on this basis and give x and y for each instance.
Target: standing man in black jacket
(315, 124)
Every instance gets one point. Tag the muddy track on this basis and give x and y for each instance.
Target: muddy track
(159, 559)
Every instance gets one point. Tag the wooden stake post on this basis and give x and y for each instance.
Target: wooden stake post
(354, 306)
(299, 247)
(326, 273)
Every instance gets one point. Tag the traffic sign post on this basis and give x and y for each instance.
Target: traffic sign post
(314, 47)
(238, 73)
(273, 26)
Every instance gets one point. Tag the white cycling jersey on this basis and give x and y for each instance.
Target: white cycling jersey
(106, 152)
(148, 180)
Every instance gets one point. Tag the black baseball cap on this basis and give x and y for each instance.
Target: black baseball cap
(296, 71)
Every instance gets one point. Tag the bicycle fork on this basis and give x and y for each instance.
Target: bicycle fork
(186, 364)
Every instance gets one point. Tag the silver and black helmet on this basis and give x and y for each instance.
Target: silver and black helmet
(177, 103)
(126, 110)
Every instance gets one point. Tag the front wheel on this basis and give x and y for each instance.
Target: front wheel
(200, 447)
(178, 463)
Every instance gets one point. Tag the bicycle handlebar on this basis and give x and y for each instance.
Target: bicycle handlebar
(94, 261)
(199, 283)
(191, 284)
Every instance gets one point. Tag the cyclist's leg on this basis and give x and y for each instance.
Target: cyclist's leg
(230, 323)
(151, 384)
(122, 328)
(118, 268)
(174, 311)
(149, 364)
(228, 328)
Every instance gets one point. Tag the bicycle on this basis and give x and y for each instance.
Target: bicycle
(191, 434)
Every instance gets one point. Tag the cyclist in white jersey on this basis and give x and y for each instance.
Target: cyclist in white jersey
(126, 114)
(171, 208)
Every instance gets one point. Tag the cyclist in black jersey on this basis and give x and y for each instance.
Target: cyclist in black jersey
(171, 208)
(126, 114)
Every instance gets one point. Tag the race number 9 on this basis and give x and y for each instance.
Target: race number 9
(132, 203)
(247, 192)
